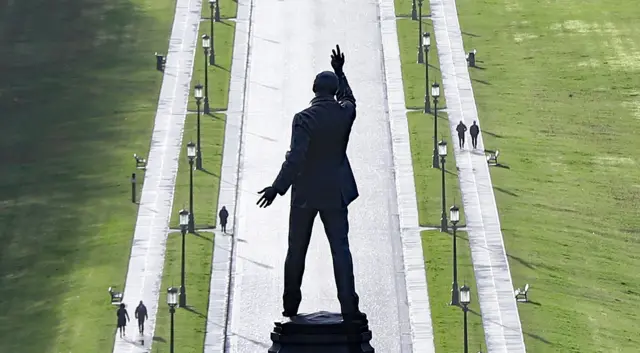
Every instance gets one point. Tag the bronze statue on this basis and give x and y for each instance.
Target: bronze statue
(317, 169)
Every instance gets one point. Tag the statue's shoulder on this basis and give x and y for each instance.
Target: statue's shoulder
(305, 114)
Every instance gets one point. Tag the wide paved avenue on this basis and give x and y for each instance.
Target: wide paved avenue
(290, 43)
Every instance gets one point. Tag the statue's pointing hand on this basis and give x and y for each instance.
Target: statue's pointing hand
(337, 60)
(268, 195)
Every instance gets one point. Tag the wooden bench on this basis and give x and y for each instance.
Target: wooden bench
(141, 163)
(116, 297)
(521, 294)
(493, 157)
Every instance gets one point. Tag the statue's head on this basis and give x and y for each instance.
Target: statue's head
(325, 84)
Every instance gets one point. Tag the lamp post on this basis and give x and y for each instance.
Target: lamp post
(184, 223)
(442, 151)
(197, 92)
(454, 215)
(435, 93)
(414, 15)
(465, 299)
(213, 4)
(172, 300)
(206, 44)
(191, 154)
(420, 56)
(426, 44)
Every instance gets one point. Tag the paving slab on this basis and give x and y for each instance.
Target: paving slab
(500, 318)
(144, 274)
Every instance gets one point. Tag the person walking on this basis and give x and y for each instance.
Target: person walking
(461, 128)
(474, 130)
(317, 170)
(224, 215)
(123, 317)
(141, 315)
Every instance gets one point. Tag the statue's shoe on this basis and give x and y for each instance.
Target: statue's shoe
(289, 314)
(357, 317)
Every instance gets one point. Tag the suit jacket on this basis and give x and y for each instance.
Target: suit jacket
(316, 166)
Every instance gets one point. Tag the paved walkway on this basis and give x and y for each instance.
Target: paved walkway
(414, 269)
(289, 43)
(500, 318)
(144, 274)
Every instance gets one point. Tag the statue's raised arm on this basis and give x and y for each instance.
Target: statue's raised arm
(344, 95)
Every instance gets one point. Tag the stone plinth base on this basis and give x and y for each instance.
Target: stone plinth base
(320, 332)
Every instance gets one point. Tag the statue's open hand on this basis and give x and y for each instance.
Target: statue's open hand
(337, 59)
(268, 195)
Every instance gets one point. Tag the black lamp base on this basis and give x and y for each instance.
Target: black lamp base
(321, 332)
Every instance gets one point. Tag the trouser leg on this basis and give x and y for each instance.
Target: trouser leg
(336, 225)
(300, 226)
(461, 140)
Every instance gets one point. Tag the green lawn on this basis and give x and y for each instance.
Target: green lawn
(562, 104)
(557, 95)
(190, 322)
(448, 320)
(78, 97)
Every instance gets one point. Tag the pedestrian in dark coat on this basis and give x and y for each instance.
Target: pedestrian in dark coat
(474, 130)
(461, 128)
(224, 215)
(123, 317)
(318, 171)
(141, 315)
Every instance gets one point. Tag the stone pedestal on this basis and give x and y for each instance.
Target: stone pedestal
(321, 332)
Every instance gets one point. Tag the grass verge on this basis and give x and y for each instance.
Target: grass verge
(228, 9)
(190, 322)
(78, 97)
(206, 182)
(421, 127)
(559, 97)
(448, 321)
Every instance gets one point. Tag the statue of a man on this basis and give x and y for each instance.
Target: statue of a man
(318, 171)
